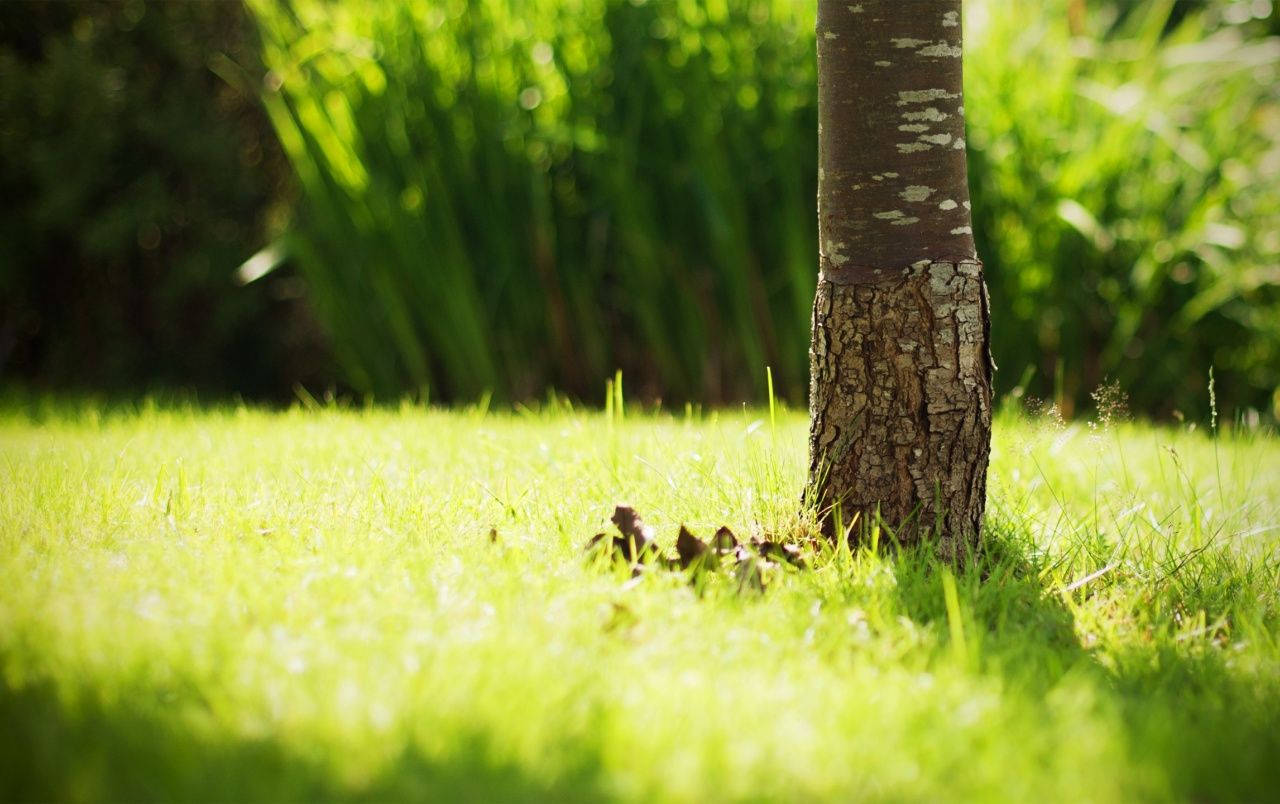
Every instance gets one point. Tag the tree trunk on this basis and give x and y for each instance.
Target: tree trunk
(900, 387)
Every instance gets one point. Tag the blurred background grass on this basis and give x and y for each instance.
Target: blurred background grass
(469, 196)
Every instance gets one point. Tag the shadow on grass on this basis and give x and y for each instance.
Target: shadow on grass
(1207, 725)
(1015, 617)
(55, 750)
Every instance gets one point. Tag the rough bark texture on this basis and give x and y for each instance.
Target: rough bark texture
(900, 396)
(901, 401)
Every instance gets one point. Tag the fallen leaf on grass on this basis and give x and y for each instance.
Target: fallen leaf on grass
(637, 537)
(634, 541)
(692, 549)
(781, 551)
(724, 540)
(636, 544)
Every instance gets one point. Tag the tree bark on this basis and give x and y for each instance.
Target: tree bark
(900, 387)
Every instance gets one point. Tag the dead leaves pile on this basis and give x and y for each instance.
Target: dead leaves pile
(750, 562)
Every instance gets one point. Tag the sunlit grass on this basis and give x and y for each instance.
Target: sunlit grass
(236, 604)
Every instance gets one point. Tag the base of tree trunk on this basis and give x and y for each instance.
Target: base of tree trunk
(900, 404)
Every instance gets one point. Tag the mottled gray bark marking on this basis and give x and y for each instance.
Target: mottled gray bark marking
(900, 394)
(862, 104)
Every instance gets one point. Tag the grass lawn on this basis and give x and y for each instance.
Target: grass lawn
(236, 604)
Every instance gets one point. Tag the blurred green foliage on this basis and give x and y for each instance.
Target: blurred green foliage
(514, 201)
(1126, 201)
(135, 179)
(503, 195)
(513, 195)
